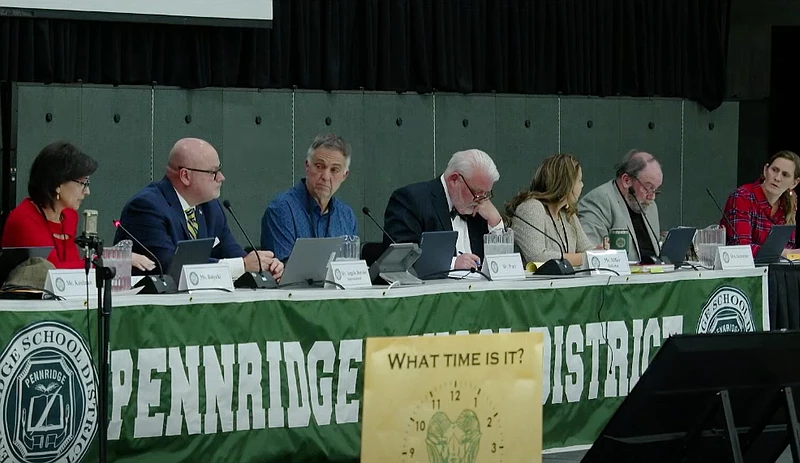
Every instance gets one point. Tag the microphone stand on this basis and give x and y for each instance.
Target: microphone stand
(553, 266)
(103, 277)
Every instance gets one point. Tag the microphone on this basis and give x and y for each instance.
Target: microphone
(253, 280)
(552, 266)
(727, 220)
(88, 238)
(409, 253)
(151, 284)
(366, 212)
(647, 260)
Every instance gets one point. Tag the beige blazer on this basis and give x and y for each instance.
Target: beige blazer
(603, 209)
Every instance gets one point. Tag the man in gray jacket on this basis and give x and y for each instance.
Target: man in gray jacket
(624, 202)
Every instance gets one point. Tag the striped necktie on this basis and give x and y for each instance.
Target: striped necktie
(191, 221)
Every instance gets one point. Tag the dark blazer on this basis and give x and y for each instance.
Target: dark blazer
(422, 207)
(155, 217)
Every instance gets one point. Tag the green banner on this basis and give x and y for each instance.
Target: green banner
(281, 380)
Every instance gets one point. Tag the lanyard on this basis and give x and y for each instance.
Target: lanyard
(566, 245)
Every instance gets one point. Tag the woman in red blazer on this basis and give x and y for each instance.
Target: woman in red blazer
(59, 180)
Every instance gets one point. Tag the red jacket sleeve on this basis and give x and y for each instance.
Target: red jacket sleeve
(25, 227)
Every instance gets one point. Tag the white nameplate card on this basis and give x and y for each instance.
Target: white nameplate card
(70, 282)
(206, 276)
(504, 267)
(612, 259)
(733, 257)
(349, 274)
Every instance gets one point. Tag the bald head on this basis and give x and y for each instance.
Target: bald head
(187, 150)
(192, 169)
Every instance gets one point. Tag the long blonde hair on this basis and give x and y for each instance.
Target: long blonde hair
(552, 183)
(788, 197)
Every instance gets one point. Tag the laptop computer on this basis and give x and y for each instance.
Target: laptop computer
(438, 249)
(190, 252)
(770, 251)
(677, 244)
(309, 261)
(12, 257)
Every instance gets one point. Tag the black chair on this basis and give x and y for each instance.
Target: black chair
(371, 251)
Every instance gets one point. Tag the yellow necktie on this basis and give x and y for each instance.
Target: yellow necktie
(192, 223)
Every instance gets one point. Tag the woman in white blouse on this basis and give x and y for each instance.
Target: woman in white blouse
(549, 204)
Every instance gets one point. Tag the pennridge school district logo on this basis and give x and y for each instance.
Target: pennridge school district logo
(494, 266)
(725, 257)
(48, 394)
(60, 285)
(595, 262)
(337, 274)
(194, 278)
(728, 310)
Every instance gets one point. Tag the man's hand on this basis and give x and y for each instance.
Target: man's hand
(487, 210)
(466, 261)
(276, 269)
(141, 262)
(251, 260)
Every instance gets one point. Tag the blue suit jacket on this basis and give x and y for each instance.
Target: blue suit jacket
(155, 217)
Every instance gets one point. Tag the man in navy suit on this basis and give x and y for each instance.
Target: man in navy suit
(460, 199)
(184, 205)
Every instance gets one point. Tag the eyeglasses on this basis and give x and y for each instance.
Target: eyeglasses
(649, 190)
(212, 172)
(85, 184)
(475, 197)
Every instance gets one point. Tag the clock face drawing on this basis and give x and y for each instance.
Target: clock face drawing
(455, 422)
(453, 399)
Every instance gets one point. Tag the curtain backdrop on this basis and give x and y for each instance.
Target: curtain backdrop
(673, 48)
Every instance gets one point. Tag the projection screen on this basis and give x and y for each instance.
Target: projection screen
(250, 13)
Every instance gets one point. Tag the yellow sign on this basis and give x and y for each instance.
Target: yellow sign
(453, 399)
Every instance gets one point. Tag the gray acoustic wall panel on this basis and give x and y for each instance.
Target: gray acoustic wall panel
(393, 138)
(527, 133)
(710, 160)
(343, 114)
(398, 144)
(655, 126)
(590, 130)
(184, 113)
(35, 129)
(257, 147)
(120, 145)
(463, 122)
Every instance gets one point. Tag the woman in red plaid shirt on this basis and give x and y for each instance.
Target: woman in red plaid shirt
(755, 207)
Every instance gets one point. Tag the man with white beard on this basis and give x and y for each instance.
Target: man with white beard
(613, 205)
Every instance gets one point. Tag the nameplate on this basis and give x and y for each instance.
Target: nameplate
(612, 259)
(70, 282)
(205, 276)
(733, 257)
(504, 267)
(349, 274)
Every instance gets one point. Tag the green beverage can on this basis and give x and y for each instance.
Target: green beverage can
(619, 238)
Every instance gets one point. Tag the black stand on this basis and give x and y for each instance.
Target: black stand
(103, 277)
(255, 280)
(157, 284)
(709, 397)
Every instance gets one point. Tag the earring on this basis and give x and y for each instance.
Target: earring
(58, 196)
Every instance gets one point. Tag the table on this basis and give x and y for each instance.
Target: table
(784, 296)
(276, 375)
